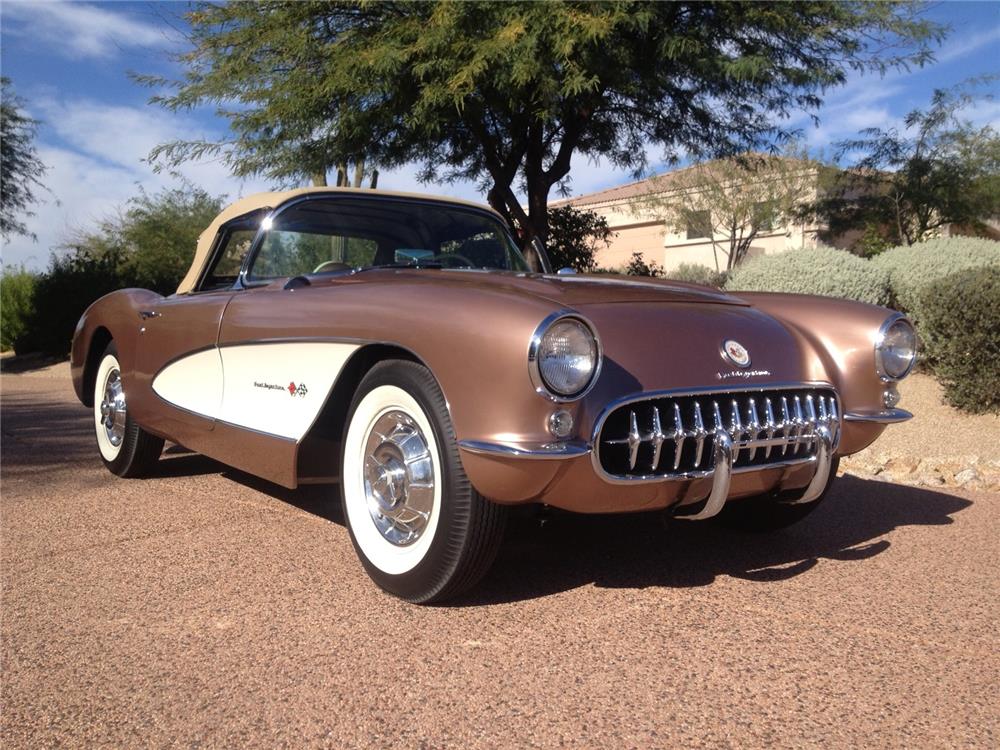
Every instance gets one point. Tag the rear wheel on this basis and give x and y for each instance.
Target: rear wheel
(126, 449)
(421, 530)
(772, 512)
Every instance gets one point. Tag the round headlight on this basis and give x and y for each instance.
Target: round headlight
(565, 357)
(895, 349)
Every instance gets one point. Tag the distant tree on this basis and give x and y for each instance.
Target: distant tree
(20, 168)
(148, 243)
(731, 201)
(507, 93)
(574, 238)
(151, 240)
(938, 169)
(17, 296)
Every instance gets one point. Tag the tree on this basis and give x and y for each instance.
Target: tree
(731, 201)
(938, 169)
(508, 93)
(151, 240)
(574, 238)
(20, 168)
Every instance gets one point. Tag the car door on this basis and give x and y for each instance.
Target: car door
(178, 367)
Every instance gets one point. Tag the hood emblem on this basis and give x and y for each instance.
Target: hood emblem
(735, 352)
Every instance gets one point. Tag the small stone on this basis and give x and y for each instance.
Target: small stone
(966, 477)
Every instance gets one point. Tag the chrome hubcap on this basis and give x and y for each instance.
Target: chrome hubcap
(113, 409)
(399, 478)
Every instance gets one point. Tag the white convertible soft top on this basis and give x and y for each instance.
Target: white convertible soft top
(258, 201)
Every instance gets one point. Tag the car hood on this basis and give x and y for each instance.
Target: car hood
(566, 291)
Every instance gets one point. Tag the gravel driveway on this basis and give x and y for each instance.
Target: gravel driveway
(207, 608)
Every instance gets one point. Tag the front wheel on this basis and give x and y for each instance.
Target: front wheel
(771, 512)
(126, 449)
(421, 530)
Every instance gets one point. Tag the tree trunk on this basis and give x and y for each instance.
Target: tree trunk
(319, 179)
(359, 172)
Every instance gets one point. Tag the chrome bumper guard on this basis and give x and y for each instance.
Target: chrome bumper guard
(722, 473)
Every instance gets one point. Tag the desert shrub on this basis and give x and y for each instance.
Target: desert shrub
(961, 336)
(695, 273)
(639, 266)
(822, 270)
(62, 294)
(17, 299)
(913, 268)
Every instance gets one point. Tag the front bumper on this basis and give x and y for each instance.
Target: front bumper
(562, 474)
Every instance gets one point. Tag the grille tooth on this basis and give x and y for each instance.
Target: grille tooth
(657, 437)
(679, 435)
(771, 426)
(699, 434)
(634, 441)
(757, 424)
(753, 425)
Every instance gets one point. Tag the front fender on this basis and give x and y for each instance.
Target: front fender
(114, 316)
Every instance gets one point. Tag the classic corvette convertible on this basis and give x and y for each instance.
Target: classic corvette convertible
(404, 348)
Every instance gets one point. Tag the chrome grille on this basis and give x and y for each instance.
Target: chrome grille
(664, 436)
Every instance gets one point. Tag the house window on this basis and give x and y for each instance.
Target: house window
(699, 225)
(763, 216)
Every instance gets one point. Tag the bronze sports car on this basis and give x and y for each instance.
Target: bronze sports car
(403, 347)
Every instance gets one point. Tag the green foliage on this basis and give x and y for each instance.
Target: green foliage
(961, 330)
(873, 242)
(20, 168)
(939, 170)
(62, 294)
(639, 266)
(574, 238)
(150, 243)
(508, 93)
(17, 299)
(695, 273)
(912, 269)
(822, 270)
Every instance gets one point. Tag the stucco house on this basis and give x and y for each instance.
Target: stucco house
(637, 230)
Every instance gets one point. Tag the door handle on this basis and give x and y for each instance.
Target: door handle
(147, 314)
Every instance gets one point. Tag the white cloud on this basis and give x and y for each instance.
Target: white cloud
(99, 165)
(80, 30)
(963, 45)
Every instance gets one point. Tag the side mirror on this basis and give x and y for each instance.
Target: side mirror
(544, 266)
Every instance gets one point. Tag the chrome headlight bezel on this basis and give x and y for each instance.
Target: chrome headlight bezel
(534, 348)
(880, 348)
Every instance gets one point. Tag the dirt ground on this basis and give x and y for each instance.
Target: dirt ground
(204, 607)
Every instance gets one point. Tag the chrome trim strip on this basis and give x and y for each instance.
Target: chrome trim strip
(536, 341)
(543, 451)
(886, 416)
(680, 393)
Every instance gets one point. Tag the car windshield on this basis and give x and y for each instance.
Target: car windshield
(345, 233)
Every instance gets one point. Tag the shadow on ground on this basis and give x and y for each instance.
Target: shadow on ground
(565, 551)
(547, 553)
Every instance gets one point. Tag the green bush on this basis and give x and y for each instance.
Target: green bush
(639, 266)
(695, 273)
(17, 300)
(913, 268)
(961, 332)
(823, 270)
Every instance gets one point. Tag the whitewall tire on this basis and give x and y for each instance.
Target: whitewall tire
(126, 449)
(420, 529)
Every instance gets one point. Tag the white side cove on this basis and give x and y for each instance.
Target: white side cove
(193, 383)
(277, 389)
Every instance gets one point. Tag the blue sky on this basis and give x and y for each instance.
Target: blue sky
(70, 62)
